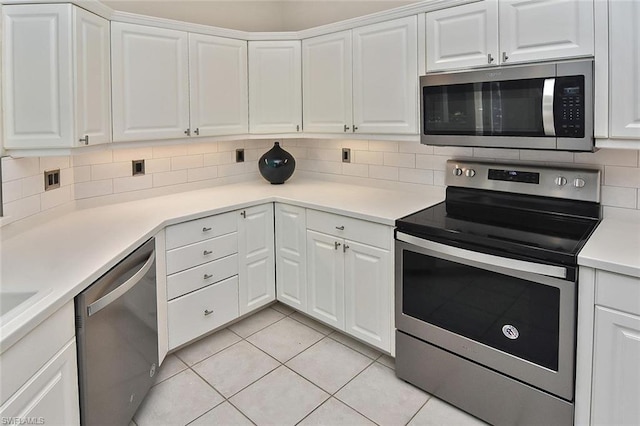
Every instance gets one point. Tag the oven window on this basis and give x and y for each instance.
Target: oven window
(510, 314)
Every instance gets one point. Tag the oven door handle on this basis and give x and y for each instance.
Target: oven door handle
(487, 259)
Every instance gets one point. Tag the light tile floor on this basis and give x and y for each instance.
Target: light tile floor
(279, 367)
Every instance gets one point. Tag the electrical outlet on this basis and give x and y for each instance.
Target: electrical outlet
(51, 179)
(137, 167)
(346, 155)
(240, 155)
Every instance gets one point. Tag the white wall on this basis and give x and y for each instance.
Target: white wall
(257, 15)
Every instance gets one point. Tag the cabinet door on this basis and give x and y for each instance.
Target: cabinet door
(218, 85)
(462, 36)
(291, 256)
(256, 271)
(326, 79)
(51, 395)
(93, 78)
(275, 87)
(325, 278)
(535, 30)
(385, 77)
(37, 76)
(150, 82)
(624, 63)
(368, 287)
(616, 368)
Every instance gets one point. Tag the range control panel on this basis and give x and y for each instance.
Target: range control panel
(559, 182)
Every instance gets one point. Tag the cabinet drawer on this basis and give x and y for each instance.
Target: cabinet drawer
(187, 315)
(201, 276)
(349, 228)
(205, 251)
(201, 229)
(620, 292)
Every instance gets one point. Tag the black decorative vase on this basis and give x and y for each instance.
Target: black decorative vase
(276, 165)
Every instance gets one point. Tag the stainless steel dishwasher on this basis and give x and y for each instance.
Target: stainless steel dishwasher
(117, 337)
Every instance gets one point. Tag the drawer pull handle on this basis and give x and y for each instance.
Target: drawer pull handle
(207, 276)
(340, 228)
(206, 252)
(206, 229)
(207, 312)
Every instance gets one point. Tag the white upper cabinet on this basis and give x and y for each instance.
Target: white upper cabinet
(465, 36)
(275, 87)
(326, 78)
(218, 85)
(150, 72)
(545, 29)
(56, 83)
(624, 64)
(385, 77)
(529, 30)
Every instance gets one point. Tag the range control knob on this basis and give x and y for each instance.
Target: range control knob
(457, 171)
(561, 181)
(470, 173)
(579, 183)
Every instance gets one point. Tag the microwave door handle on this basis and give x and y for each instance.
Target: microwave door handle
(547, 107)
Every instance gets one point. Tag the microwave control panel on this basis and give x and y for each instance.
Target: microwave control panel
(569, 107)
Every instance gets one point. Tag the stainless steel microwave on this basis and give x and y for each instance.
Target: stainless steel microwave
(544, 106)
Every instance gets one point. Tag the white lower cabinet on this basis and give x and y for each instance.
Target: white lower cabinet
(201, 311)
(291, 255)
(349, 271)
(256, 257)
(608, 352)
(39, 381)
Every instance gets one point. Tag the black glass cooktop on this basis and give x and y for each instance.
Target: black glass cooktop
(519, 226)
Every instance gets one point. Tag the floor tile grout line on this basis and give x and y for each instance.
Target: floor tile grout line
(429, 396)
(257, 331)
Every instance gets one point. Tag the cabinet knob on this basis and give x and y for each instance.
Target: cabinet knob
(340, 228)
(355, 128)
(336, 245)
(346, 127)
(207, 312)
(504, 57)
(206, 252)
(84, 140)
(197, 131)
(187, 132)
(207, 276)
(489, 58)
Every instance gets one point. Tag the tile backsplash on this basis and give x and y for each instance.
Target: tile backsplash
(172, 168)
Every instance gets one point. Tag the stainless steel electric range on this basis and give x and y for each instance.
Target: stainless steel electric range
(486, 290)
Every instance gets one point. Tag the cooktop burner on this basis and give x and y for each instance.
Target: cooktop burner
(528, 214)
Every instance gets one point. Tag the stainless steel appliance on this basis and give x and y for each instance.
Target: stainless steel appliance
(545, 106)
(486, 286)
(117, 338)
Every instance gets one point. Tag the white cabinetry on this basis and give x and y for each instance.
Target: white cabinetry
(219, 102)
(56, 82)
(326, 77)
(256, 257)
(364, 80)
(538, 30)
(40, 374)
(150, 82)
(617, 85)
(202, 276)
(275, 87)
(291, 255)
(608, 365)
(350, 276)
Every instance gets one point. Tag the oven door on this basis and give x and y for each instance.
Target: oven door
(515, 317)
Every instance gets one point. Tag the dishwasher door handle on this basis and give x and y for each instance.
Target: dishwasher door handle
(108, 298)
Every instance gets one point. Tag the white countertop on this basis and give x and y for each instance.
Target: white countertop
(60, 257)
(614, 247)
